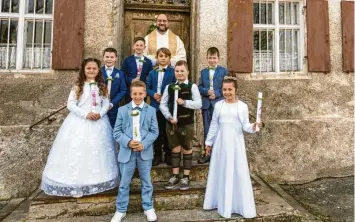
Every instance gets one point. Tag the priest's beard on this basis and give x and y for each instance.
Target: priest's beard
(162, 30)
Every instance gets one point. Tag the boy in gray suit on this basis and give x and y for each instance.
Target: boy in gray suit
(136, 129)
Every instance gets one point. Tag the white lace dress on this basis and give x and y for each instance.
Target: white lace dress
(83, 159)
(229, 186)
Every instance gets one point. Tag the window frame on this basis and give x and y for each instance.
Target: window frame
(22, 17)
(276, 29)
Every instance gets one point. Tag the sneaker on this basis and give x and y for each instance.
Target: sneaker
(173, 183)
(118, 217)
(185, 183)
(151, 216)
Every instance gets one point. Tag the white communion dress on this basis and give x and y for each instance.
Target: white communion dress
(83, 159)
(229, 187)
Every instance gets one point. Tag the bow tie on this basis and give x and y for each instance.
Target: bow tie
(137, 57)
(182, 84)
(137, 108)
(212, 68)
(161, 70)
(109, 69)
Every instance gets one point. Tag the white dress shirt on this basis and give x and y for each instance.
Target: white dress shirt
(163, 41)
(138, 62)
(195, 103)
(160, 79)
(136, 121)
(109, 70)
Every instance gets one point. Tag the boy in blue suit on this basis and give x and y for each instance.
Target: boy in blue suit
(210, 87)
(118, 82)
(157, 80)
(135, 130)
(136, 66)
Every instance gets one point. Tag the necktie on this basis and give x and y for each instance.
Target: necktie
(137, 108)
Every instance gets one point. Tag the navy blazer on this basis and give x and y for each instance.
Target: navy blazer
(204, 85)
(123, 133)
(129, 67)
(118, 87)
(152, 84)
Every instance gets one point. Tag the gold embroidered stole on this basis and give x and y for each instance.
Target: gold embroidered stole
(152, 41)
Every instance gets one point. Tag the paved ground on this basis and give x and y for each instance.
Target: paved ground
(330, 199)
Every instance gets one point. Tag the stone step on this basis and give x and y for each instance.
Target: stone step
(168, 203)
(162, 173)
(44, 206)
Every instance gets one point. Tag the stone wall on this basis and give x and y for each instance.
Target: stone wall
(309, 118)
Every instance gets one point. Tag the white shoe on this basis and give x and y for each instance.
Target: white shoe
(118, 217)
(151, 216)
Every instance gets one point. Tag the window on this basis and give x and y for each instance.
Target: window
(25, 34)
(278, 36)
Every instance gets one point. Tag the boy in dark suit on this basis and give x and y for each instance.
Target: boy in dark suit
(210, 87)
(115, 81)
(136, 66)
(157, 80)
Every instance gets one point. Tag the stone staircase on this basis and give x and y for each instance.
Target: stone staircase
(268, 203)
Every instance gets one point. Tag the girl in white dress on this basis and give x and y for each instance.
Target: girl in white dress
(82, 160)
(229, 186)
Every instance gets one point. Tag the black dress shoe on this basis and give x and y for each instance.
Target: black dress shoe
(156, 160)
(167, 159)
(203, 159)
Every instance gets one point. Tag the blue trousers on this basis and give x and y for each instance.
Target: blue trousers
(207, 118)
(127, 171)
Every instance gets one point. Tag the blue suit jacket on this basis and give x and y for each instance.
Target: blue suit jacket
(204, 85)
(148, 128)
(118, 88)
(129, 67)
(152, 84)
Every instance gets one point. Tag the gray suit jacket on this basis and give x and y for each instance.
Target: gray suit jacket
(123, 131)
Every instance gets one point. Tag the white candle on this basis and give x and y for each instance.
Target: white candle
(211, 81)
(176, 95)
(93, 96)
(109, 83)
(258, 110)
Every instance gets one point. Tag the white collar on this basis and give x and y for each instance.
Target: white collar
(165, 67)
(112, 67)
(140, 106)
(186, 81)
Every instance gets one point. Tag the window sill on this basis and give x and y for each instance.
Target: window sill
(277, 76)
(18, 74)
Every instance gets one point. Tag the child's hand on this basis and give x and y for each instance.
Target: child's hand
(172, 121)
(133, 144)
(208, 150)
(212, 96)
(210, 92)
(157, 96)
(91, 116)
(260, 124)
(158, 100)
(180, 101)
(110, 106)
(139, 148)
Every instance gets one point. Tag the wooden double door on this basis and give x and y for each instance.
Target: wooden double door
(138, 21)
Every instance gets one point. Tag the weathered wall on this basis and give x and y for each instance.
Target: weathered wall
(309, 118)
(25, 98)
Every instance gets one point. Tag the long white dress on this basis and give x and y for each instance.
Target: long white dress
(229, 186)
(82, 160)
